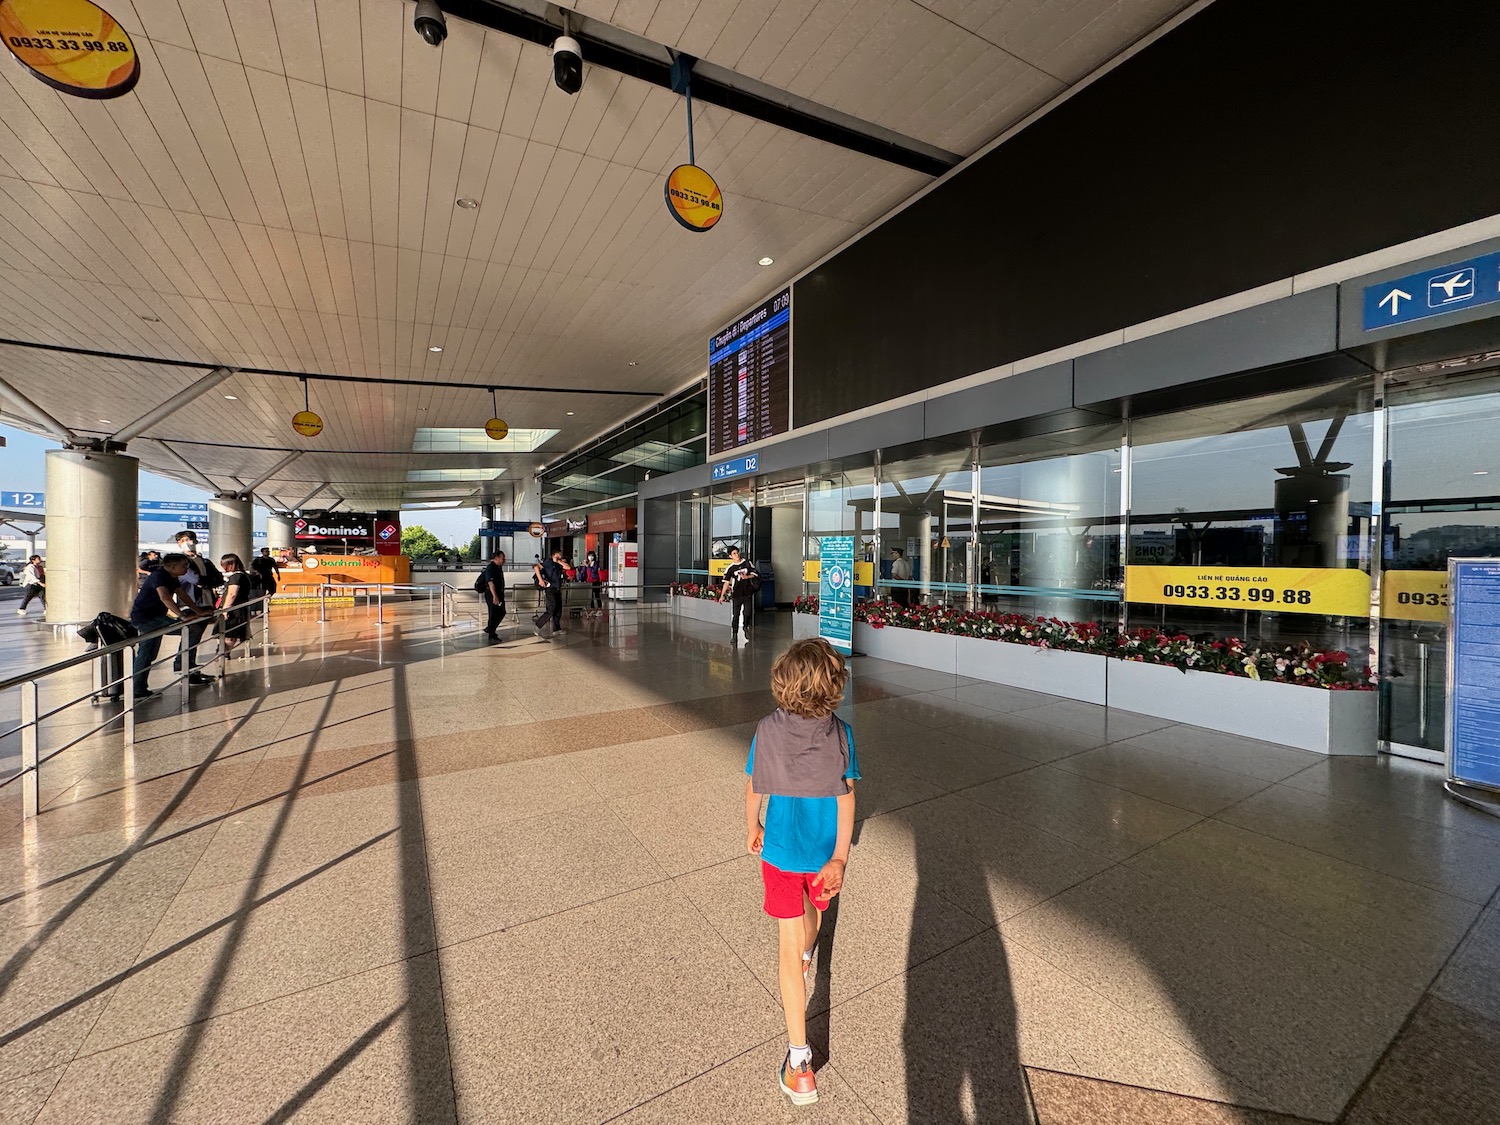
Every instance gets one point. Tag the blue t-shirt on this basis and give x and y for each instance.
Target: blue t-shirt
(801, 832)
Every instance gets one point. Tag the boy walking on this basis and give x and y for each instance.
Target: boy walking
(802, 757)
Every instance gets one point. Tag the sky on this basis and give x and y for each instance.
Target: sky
(23, 469)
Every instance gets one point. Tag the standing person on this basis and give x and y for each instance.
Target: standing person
(198, 582)
(550, 576)
(595, 578)
(148, 561)
(494, 593)
(159, 601)
(740, 582)
(236, 621)
(900, 572)
(802, 758)
(34, 582)
(268, 571)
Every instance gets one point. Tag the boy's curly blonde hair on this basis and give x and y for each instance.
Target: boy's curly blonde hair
(808, 678)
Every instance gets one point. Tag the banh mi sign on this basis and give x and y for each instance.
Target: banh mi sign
(72, 45)
(1337, 592)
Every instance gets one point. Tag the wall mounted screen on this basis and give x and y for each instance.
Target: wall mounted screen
(750, 377)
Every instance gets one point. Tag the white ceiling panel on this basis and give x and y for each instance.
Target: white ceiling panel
(279, 192)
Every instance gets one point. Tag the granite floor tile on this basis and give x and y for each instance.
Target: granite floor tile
(947, 1041)
(931, 712)
(942, 759)
(744, 1091)
(983, 861)
(1262, 760)
(1164, 777)
(1443, 1070)
(688, 826)
(1068, 1099)
(1113, 822)
(1457, 863)
(368, 1047)
(1297, 1024)
(487, 880)
(1387, 925)
(660, 763)
(1394, 785)
(1107, 723)
(627, 998)
(887, 788)
(21, 1099)
(236, 945)
(882, 923)
(1027, 738)
(999, 697)
(473, 800)
(1472, 978)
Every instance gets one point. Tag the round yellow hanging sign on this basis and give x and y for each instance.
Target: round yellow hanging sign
(693, 198)
(72, 45)
(306, 423)
(496, 429)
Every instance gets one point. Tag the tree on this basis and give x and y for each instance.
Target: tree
(472, 553)
(419, 543)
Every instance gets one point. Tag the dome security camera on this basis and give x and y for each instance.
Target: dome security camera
(430, 22)
(567, 64)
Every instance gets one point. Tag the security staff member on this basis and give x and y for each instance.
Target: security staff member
(739, 584)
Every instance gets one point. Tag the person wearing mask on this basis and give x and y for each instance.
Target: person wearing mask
(34, 582)
(550, 576)
(159, 602)
(235, 601)
(900, 572)
(741, 581)
(198, 582)
(494, 594)
(267, 571)
(595, 578)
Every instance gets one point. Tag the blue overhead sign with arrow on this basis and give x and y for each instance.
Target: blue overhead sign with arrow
(1446, 289)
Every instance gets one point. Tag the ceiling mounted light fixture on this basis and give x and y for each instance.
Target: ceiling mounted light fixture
(570, 414)
(435, 348)
(631, 363)
(152, 319)
(233, 398)
(468, 204)
(106, 422)
(1481, 472)
(767, 261)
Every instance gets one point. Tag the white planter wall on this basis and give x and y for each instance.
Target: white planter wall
(1325, 722)
(701, 609)
(804, 625)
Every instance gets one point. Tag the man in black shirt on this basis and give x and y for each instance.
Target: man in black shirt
(494, 593)
(740, 581)
(199, 581)
(266, 571)
(161, 600)
(550, 577)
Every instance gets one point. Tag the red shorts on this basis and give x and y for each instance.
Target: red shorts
(785, 890)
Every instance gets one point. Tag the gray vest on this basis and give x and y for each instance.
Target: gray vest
(796, 756)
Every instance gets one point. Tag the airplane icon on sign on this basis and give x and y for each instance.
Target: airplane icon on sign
(1448, 289)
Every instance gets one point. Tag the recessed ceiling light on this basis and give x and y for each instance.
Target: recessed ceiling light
(233, 398)
(631, 363)
(1481, 472)
(435, 348)
(468, 204)
(767, 261)
(570, 414)
(106, 421)
(152, 319)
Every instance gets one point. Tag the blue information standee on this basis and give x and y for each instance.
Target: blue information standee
(1474, 673)
(836, 592)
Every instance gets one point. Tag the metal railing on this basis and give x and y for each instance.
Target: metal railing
(440, 592)
(104, 688)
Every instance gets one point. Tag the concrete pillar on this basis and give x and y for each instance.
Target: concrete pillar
(92, 533)
(281, 532)
(231, 526)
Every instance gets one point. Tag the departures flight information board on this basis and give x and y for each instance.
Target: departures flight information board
(750, 377)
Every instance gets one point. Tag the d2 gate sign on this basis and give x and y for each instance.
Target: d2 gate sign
(1332, 591)
(836, 593)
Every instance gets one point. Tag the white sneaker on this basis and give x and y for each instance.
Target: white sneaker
(20, 613)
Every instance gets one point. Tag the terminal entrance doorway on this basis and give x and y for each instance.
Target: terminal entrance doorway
(1442, 500)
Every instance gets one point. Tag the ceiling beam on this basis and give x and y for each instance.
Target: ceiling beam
(189, 466)
(172, 405)
(36, 415)
(273, 470)
(303, 502)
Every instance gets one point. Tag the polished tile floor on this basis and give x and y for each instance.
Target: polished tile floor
(393, 874)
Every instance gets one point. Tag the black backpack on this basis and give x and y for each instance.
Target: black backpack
(481, 584)
(108, 629)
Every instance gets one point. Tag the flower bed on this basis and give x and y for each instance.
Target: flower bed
(1300, 664)
(707, 591)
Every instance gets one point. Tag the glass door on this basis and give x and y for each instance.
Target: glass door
(1442, 501)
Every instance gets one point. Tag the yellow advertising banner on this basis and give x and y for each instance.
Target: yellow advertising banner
(1414, 595)
(72, 45)
(1286, 589)
(315, 570)
(864, 572)
(717, 567)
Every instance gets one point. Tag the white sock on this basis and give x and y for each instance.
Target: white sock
(799, 1056)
